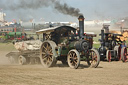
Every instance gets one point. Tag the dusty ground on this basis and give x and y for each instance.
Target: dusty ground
(114, 73)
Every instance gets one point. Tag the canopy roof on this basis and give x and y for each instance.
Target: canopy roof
(56, 29)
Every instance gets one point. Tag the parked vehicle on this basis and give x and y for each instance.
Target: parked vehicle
(111, 46)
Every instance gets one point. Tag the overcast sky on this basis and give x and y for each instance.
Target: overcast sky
(91, 9)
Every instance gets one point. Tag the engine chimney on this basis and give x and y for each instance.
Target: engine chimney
(81, 26)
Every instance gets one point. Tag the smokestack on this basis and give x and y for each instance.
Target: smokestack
(106, 27)
(102, 35)
(81, 25)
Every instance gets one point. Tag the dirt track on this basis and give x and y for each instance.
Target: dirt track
(114, 73)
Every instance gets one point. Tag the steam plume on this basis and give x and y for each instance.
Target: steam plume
(36, 4)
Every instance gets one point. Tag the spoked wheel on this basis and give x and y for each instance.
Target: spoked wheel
(48, 53)
(108, 55)
(73, 59)
(22, 60)
(118, 50)
(93, 59)
(124, 54)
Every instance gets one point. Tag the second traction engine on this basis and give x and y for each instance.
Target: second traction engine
(111, 46)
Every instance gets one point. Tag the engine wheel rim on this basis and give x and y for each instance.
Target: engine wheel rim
(47, 54)
(125, 54)
(73, 59)
(119, 53)
(92, 58)
(109, 56)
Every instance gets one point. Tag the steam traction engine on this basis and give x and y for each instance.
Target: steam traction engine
(64, 44)
(111, 46)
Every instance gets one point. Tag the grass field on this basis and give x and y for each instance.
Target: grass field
(96, 46)
(6, 47)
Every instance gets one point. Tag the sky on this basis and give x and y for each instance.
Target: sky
(46, 10)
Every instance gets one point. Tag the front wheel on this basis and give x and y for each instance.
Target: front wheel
(124, 54)
(108, 55)
(93, 58)
(22, 60)
(73, 59)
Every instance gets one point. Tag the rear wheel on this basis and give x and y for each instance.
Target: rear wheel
(47, 54)
(73, 59)
(93, 59)
(108, 55)
(124, 54)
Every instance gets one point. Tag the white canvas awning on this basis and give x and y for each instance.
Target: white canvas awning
(46, 30)
(60, 28)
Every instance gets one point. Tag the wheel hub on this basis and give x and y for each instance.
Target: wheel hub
(47, 53)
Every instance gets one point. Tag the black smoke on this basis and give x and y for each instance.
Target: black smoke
(36, 4)
(65, 9)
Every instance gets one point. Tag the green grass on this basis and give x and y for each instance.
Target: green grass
(7, 47)
(96, 45)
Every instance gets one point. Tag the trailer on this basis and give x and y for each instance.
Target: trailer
(28, 52)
